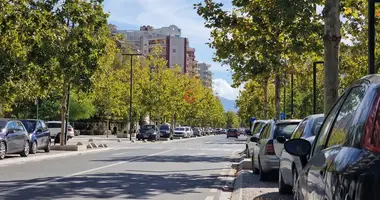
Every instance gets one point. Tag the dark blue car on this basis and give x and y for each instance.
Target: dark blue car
(39, 135)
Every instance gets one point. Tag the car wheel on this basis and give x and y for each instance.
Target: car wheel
(26, 150)
(262, 175)
(282, 187)
(3, 150)
(33, 149)
(47, 148)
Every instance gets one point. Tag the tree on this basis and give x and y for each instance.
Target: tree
(232, 121)
(258, 36)
(331, 40)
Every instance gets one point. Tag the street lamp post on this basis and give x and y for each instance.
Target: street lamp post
(131, 93)
(315, 85)
(371, 36)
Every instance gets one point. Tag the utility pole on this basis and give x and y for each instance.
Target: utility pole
(131, 92)
(371, 36)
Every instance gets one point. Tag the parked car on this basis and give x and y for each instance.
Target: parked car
(256, 130)
(55, 129)
(343, 162)
(232, 132)
(14, 138)
(39, 135)
(197, 131)
(290, 166)
(265, 160)
(149, 132)
(182, 132)
(166, 131)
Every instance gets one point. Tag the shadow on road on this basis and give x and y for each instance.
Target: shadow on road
(273, 196)
(172, 158)
(106, 185)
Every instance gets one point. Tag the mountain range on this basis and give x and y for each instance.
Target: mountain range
(229, 105)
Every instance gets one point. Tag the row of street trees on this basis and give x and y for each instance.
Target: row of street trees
(266, 42)
(50, 49)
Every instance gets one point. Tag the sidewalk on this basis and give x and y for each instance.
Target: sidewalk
(248, 187)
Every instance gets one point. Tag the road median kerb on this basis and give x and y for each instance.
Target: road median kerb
(12, 161)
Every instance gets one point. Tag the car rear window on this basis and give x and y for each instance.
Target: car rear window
(53, 125)
(148, 127)
(285, 129)
(232, 130)
(317, 125)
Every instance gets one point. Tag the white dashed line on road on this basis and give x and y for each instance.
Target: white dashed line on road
(209, 198)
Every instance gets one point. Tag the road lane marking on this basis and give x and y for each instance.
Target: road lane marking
(209, 198)
(213, 190)
(82, 172)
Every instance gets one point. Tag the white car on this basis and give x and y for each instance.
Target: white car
(184, 131)
(55, 128)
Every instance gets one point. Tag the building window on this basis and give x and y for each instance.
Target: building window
(174, 50)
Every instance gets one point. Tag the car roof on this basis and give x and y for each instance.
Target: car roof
(287, 121)
(316, 116)
(54, 122)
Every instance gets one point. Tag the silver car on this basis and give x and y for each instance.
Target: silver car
(255, 132)
(290, 166)
(265, 160)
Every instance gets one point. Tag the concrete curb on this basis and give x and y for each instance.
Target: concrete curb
(237, 194)
(12, 161)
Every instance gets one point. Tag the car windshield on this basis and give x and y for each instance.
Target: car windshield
(29, 125)
(148, 127)
(164, 128)
(285, 129)
(316, 125)
(179, 129)
(258, 127)
(53, 125)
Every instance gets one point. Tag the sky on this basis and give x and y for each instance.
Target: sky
(131, 14)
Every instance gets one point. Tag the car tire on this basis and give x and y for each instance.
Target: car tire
(47, 148)
(33, 149)
(282, 187)
(26, 150)
(3, 150)
(263, 176)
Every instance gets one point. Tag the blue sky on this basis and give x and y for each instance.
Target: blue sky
(131, 14)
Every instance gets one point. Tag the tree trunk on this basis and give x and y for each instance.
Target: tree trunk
(266, 98)
(63, 113)
(331, 42)
(277, 85)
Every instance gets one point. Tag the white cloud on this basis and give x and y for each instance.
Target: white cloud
(223, 89)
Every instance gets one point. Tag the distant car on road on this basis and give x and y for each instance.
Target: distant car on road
(232, 132)
(166, 131)
(182, 132)
(39, 134)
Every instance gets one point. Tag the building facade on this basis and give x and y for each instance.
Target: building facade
(205, 74)
(175, 49)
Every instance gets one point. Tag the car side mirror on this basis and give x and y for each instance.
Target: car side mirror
(281, 139)
(254, 139)
(298, 147)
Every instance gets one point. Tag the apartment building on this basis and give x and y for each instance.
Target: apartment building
(205, 74)
(175, 49)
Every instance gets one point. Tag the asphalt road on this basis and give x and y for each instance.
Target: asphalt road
(184, 169)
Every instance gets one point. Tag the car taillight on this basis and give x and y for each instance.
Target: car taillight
(269, 148)
(70, 129)
(371, 137)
